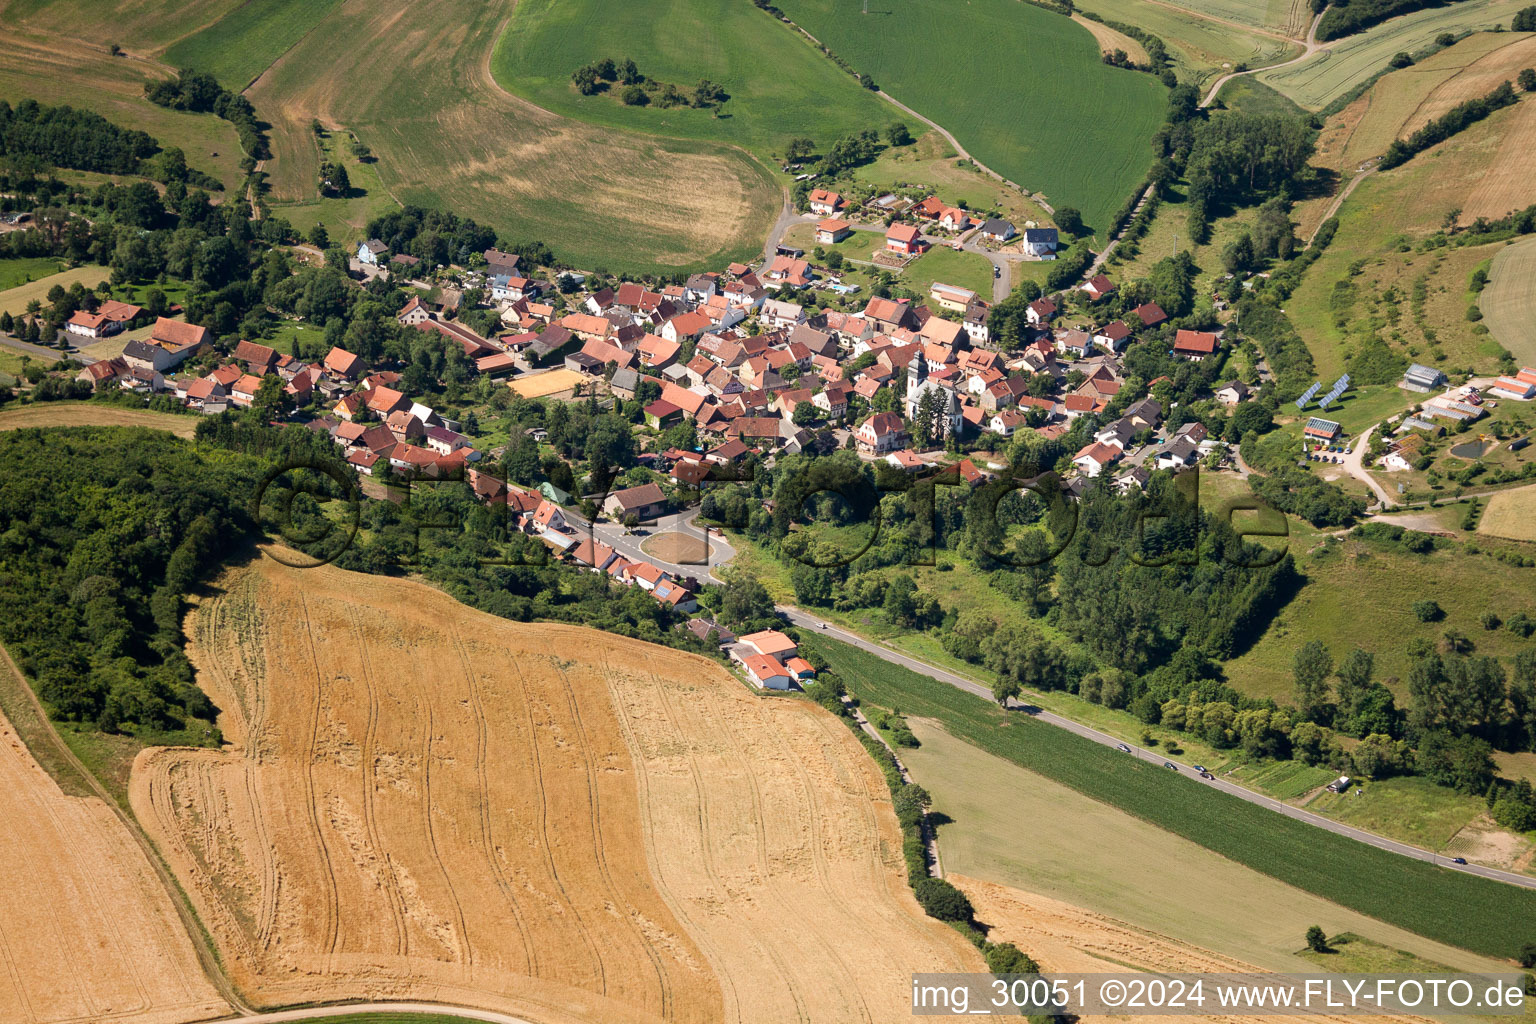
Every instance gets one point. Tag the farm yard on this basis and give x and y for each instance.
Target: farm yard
(632, 835)
(89, 932)
(1509, 301)
(1349, 63)
(1088, 144)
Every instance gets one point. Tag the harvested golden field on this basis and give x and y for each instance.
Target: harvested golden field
(85, 414)
(1511, 183)
(1509, 301)
(1110, 40)
(87, 932)
(1065, 938)
(424, 801)
(1477, 79)
(1510, 514)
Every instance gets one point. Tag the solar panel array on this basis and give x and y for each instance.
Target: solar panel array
(1306, 396)
(1339, 386)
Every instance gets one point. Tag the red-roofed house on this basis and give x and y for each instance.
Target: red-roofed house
(830, 231)
(905, 239)
(1098, 287)
(341, 363)
(1194, 345)
(1150, 314)
(824, 203)
(881, 433)
(772, 644)
(766, 673)
(1093, 459)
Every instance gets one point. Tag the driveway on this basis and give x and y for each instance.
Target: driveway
(1354, 465)
(629, 545)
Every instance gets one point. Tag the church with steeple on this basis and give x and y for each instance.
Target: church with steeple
(946, 401)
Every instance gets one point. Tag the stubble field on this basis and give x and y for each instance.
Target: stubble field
(1510, 514)
(85, 414)
(87, 933)
(1509, 301)
(423, 801)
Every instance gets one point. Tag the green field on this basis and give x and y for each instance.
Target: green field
(1379, 224)
(1349, 953)
(1461, 910)
(779, 85)
(243, 43)
(16, 272)
(1350, 62)
(1068, 126)
(1361, 593)
(1019, 828)
(54, 71)
(945, 265)
(1509, 301)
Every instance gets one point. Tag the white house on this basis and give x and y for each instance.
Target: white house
(1040, 241)
(371, 251)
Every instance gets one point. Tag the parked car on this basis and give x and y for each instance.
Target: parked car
(1170, 764)
(1208, 776)
(1200, 768)
(1124, 748)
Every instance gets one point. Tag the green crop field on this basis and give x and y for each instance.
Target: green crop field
(1290, 17)
(16, 272)
(1509, 301)
(1348, 63)
(1015, 827)
(779, 85)
(1066, 124)
(1460, 910)
(243, 43)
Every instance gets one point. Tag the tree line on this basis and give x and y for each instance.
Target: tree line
(200, 92)
(1457, 119)
(1346, 17)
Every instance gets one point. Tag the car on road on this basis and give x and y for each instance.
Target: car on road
(821, 625)
(997, 271)
(1170, 764)
(1208, 776)
(1124, 748)
(1459, 860)
(1200, 768)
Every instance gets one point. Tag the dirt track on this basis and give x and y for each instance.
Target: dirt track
(425, 802)
(86, 931)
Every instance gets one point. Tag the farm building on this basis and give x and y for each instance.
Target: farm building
(1421, 378)
(1319, 429)
(1513, 387)
(646, 501)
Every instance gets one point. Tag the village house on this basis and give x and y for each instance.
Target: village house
(1040, 241)
(881, 433)
(1040, 312)
(830, 231)
(110, 318)
(824, 203)
(371, 251)
(645, 502)
(905, 239)
(998, 230)
(1232, 393)
(1099, 287)
(952, 297)
(1194, 345)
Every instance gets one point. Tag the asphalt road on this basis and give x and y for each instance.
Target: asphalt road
(800, 618)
